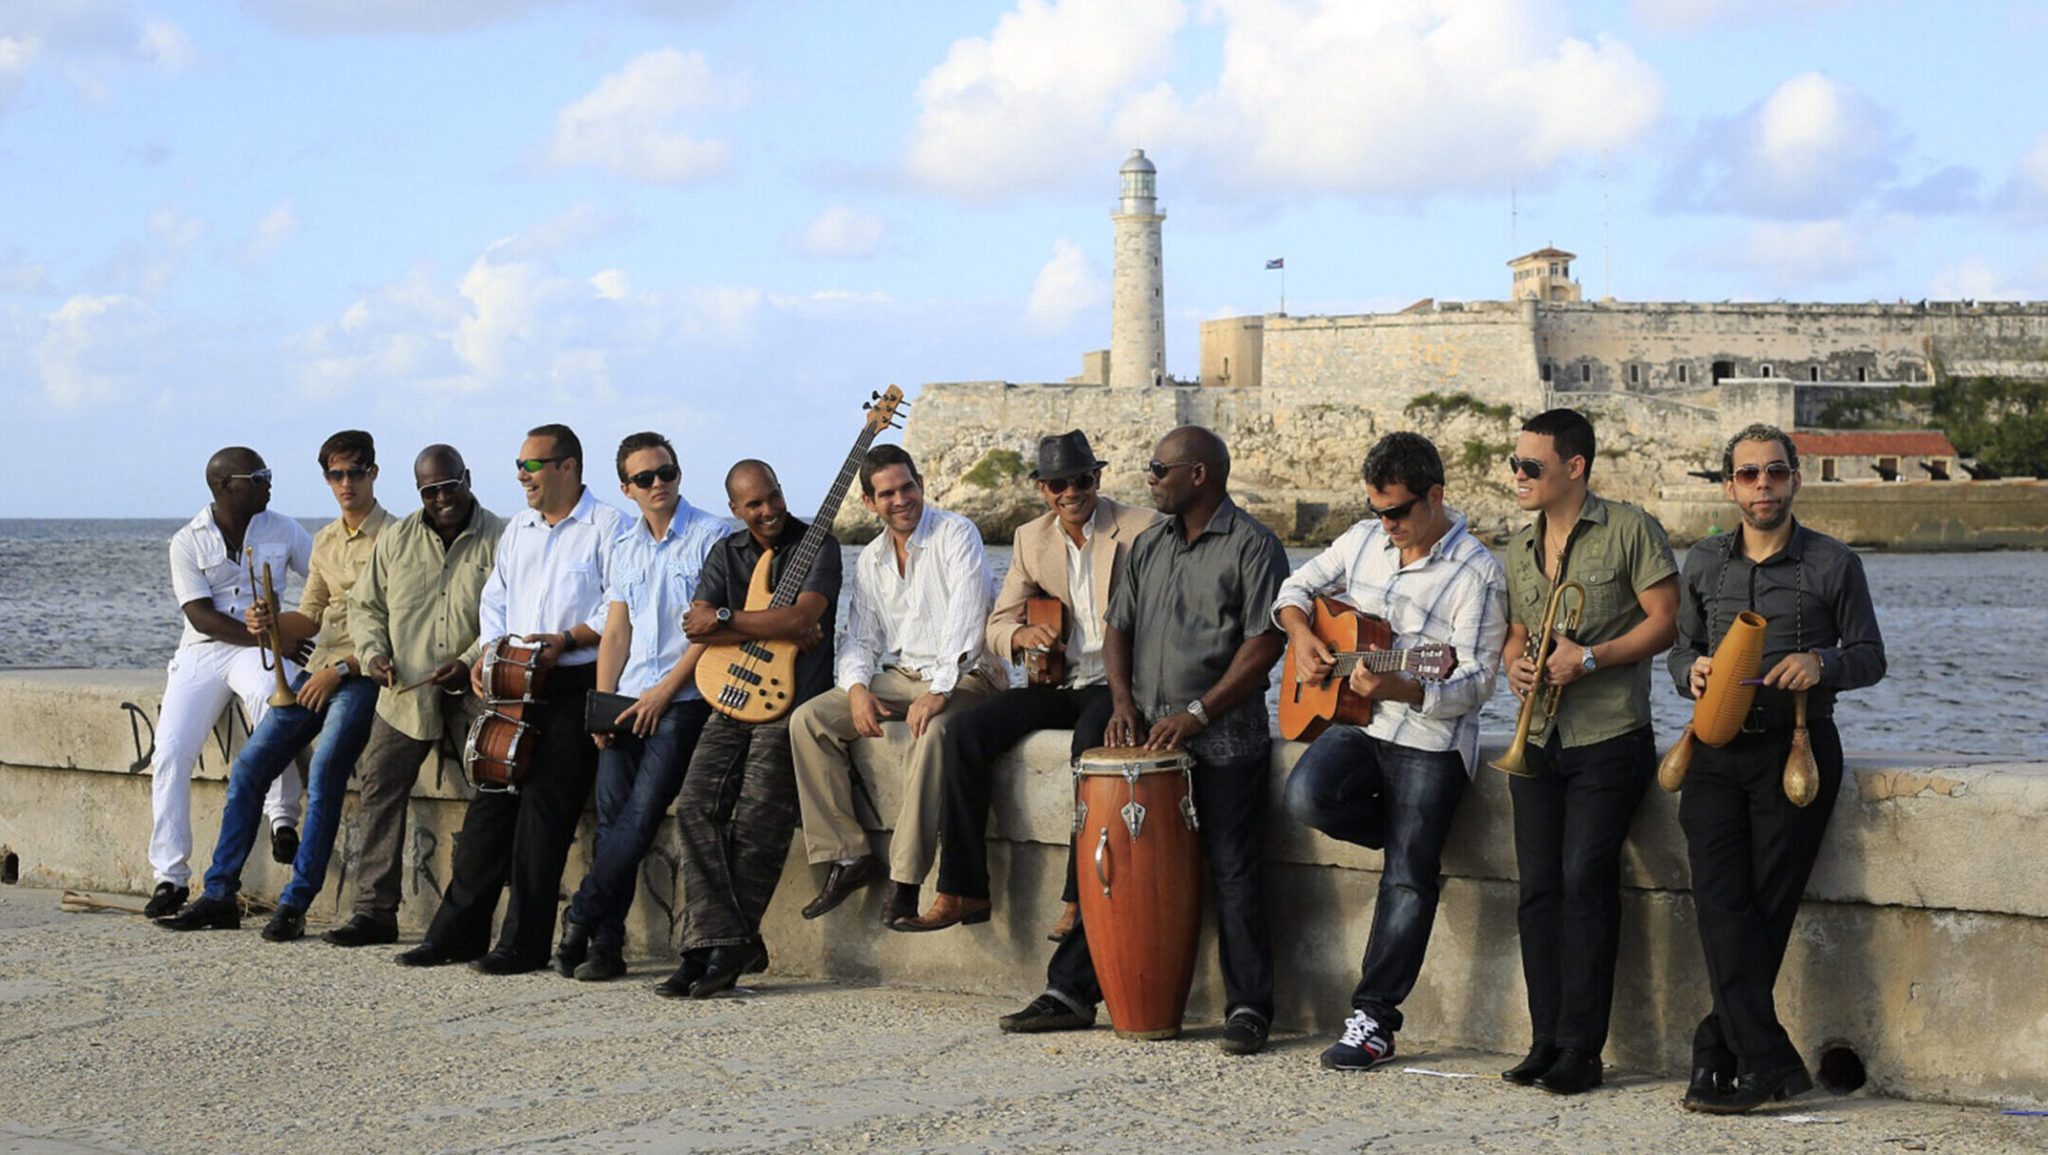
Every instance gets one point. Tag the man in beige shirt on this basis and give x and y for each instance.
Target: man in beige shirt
(334, 705)
(415, 614)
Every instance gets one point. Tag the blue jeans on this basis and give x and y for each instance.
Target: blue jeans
(343, 727)
(637, 781)
(1378, 794)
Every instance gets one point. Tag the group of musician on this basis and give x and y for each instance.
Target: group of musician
(1168, 623)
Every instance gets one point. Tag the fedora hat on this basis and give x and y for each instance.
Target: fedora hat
(1065, 455)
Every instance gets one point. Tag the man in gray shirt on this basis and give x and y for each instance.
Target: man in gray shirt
(1187, 646)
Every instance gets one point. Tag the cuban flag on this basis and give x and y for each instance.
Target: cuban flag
(1277, 263)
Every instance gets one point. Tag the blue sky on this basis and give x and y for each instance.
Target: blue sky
(261, 221)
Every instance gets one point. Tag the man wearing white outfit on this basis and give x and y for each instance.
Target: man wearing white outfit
(217, 656)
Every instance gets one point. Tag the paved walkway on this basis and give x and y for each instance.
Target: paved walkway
(118, 1036)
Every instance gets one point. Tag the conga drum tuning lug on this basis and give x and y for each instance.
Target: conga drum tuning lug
(1134, 818)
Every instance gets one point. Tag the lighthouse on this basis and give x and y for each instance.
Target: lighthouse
(1137, 321)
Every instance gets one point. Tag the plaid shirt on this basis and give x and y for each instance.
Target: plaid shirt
(1456, 594)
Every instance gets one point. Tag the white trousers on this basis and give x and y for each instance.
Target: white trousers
(202, 679)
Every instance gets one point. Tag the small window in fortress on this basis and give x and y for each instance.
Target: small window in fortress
(1813, 373)
(1763, 370)
(1546, 372)
(1863, 373)
(1682, 374)
(1586, 371)
(1828, 467)
(1723, 370)
(1635, 374)
(1888, 467)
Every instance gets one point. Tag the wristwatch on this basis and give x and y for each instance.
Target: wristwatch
(1201, 715)
(1588, 663)
(341, 666)
(725, 615)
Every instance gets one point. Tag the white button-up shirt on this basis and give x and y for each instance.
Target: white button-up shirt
(550, 578)
(1084, 634)
(927, 620)
(201, 567)
(1455, 594)
(656, 581)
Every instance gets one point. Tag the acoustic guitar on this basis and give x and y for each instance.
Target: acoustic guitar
(1047, 667)
(753, 681)
(1355, 638)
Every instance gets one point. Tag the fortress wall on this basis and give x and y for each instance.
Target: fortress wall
(1379, 362)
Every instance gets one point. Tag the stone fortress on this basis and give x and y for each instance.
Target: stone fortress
(1301, 399)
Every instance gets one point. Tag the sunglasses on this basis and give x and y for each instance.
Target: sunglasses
(533, 464)
(646, 478)
(260, 477)
(1058, 485)
(1751, 474)
(1158, 470)
(1393, 512)
(1528, 467)
(449, 487)
(352, 473)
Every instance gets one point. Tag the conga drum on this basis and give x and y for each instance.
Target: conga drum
(512, 671)
(1139, 864)
(499, 749)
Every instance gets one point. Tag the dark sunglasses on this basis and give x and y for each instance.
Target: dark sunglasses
(434, 488)
(1057, 485)
(1393, 512)
(1528, 467)
(1159, 469)
(1751, 474)
(533, 464)
(646, 478)
(260, 477)
(352, 473)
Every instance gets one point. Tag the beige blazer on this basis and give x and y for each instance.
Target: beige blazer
(1038, 565)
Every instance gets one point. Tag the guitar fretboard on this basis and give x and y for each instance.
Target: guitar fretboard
(1377, 661)
(798, 569)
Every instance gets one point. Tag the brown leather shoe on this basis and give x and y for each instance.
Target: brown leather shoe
(901, 905)
(843, 879)
(947, 910)
(1069, 916)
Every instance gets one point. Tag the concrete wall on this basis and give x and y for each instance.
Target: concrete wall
(1902, 515)
(1233, 351)
(1919, 946)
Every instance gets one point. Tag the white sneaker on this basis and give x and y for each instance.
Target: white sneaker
(1364, 1045)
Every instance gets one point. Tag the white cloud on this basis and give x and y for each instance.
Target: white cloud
(629, 122)
(1395, 98)
(1815, 147)
(612, 284)
(1066, 287)
(436, 17)
(1787, 256)
(17, 54)
(89, 43)
(1697, 15)
(146, 266)
(2025, 196)
(1977, 279)
(277, 226)
(94, 350)
(843, 233)
(166, 45)
(19, 275)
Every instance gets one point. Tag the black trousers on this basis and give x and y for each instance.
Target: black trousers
(1751, 852)
(972, 746)
(1571, 819)
(523, 838)
(1230, 801)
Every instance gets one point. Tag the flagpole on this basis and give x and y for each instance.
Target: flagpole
(1283, 290)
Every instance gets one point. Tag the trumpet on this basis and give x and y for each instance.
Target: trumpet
(270, 643)
(1555, 618)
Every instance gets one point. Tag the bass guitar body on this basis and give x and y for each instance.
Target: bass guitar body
(1308, 708)
(751, 681)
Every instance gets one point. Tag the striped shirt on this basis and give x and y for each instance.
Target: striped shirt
(1456, 594)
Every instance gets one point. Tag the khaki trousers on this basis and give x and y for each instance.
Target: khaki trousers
(820, 735)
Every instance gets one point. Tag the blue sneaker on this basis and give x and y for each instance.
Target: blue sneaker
(1365, 1045)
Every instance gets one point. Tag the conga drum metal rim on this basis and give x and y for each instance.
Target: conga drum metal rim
(472, 752)
(512, 651)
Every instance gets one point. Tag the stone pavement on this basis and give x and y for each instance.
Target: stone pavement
(118, 1036)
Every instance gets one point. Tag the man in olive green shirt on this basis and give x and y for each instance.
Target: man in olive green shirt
(415, 613)
(1589, 765)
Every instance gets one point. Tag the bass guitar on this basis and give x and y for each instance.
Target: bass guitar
(753, 681)
(1355, 638)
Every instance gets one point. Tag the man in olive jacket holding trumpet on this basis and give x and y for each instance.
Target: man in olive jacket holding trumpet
(1751, 846)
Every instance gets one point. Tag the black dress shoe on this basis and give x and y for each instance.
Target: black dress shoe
(572, 950)
(432, 954)
(677, 985)
(1574, 1072)
(287, 924)
(284, 844)
(362, 930)
(603, 961)
(1755, 1088)
(842, 880)
(1046, 1013)
(504, 961)
(723, 967)
(165, 902)
(1525, 1073)
(1244, 1032)
(1707, 1085)
(901, 905)
(205, 913)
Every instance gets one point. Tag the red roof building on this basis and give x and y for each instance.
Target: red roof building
(1867, 454)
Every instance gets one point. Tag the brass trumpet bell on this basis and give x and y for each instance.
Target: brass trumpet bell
(270, 642)
(1556, 618)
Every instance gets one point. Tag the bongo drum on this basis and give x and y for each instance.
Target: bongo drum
(1138, 860)
(499, 749)
(512, 671)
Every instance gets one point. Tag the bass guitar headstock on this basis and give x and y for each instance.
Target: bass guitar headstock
(883, 408)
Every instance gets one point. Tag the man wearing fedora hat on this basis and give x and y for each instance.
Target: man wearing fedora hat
(1074, 552)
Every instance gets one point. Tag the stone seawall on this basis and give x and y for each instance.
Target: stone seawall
(1918, 949)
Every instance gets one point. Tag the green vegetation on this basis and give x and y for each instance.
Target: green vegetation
(1997, 420)
(995, 468)
(1484, 457)
(1443, 406)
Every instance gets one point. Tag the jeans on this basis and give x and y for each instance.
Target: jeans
(343, 727)
(1377, 794)
(1751, 852)
(972, 746)
(737, 814)
(1230, 801)
(1571, 819)
(637, 779)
